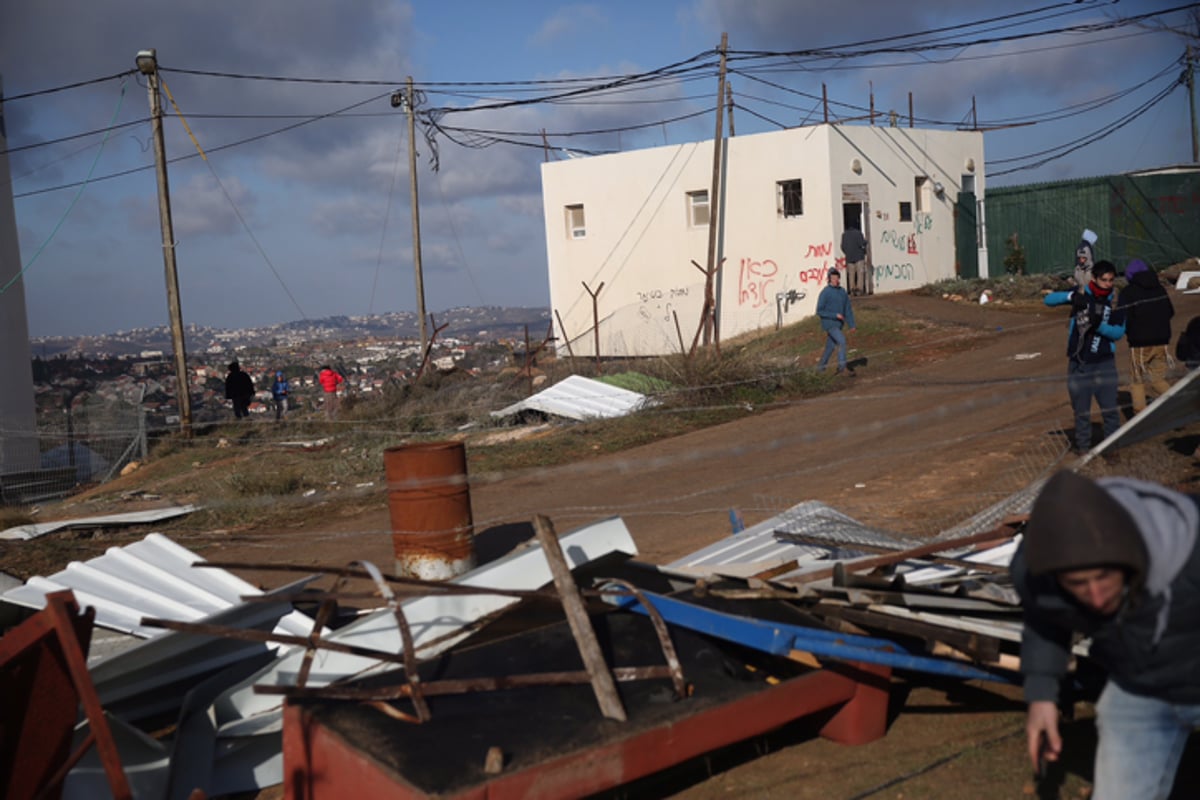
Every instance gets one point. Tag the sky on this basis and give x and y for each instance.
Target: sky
(302, 208)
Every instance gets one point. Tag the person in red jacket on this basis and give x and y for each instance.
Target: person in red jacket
(330, 381)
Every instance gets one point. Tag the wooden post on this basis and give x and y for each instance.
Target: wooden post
(416, 212)
(910, 112)
(714, 206)
(566, 338)
(581, 627)
(596, 319)
(871, 84)
(825, 102)
(148, 65)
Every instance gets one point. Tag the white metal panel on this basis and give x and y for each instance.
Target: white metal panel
(579, 398)
(34, 530)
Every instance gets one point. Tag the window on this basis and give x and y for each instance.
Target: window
(697, 209)
(575, 227)
(905, 211)
(968, 184)
(789, 197)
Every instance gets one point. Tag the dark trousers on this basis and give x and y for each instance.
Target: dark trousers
(1093, 380)
(241, 407)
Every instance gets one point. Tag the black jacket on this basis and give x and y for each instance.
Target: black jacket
(1151, 646)
(1148, 311)
(238, 384)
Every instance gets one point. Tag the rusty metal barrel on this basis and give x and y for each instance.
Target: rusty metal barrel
(429, 500)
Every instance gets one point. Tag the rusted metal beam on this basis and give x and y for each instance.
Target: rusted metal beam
(401, 691)
(577, 618)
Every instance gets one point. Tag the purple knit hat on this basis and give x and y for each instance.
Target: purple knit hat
(1134, 267)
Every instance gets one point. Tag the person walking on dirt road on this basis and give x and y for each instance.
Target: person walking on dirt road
(1115, 560)
(833, 308)
(1091, 352)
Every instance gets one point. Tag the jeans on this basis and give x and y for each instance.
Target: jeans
(834, 338)
(1141, 742)
(1085, 381)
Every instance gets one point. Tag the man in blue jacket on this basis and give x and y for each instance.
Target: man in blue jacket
(1114, 560)
(1091, 352)
(833, 308)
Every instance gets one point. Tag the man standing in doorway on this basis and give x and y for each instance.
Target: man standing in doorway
(854, 248)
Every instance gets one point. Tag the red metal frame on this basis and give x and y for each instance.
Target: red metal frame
(43, 669)
(320, 765)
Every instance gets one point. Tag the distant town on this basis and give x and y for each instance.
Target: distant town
(135, 368)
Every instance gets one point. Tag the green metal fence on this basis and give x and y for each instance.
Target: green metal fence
(1153, 217)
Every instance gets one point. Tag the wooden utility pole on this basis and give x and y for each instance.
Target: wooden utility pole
(825, 102)
(714, 205)
(416, 211)
(910, 113)
(871, 84)
(1191, 86)
(147, 64)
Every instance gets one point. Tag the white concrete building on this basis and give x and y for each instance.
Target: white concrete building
(635, 222)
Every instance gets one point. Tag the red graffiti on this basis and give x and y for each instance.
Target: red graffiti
(818, 274)
(819, 250)
(912, 244)
(754, 281)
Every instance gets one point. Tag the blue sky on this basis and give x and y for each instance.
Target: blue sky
(315, 221)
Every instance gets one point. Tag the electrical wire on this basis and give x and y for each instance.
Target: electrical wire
(54, 231)
(65, 87)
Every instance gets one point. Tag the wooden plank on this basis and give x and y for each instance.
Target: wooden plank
(581, 627)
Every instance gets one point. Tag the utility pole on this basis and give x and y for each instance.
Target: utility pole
(147, 64)
(1191, 86)
(406, 100)
(714, 207)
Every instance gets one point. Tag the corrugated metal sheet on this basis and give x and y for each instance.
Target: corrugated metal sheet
(32, 531)
(580, 398)
(758, 548)
(151, 578)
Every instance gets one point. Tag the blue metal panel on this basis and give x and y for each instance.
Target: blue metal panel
(780, 639)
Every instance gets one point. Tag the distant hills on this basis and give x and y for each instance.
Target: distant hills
(484, 323)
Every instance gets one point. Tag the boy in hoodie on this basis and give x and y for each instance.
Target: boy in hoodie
(1114, 560)
(1085, 259)
(279, 392)
(1148, 313)
(1096, 325)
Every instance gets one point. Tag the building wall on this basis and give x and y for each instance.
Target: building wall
(638, 250)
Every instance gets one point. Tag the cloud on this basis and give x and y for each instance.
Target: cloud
(569, 21)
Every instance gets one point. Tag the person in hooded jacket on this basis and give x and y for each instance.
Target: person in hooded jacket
(1148, 313)
(239, 389)
(1114, 560)
(1096, 325)
(279, 393)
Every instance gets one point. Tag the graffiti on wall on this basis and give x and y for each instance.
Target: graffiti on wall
(894, 272)
(754, 281)
(655, 304)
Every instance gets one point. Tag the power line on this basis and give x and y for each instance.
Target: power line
(65, 87)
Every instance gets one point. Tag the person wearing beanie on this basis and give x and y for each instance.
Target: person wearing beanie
(1114, 560)
(1096, 325)
(835, 313)
(279, 393)
(1085, 259)
(1148, 313)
